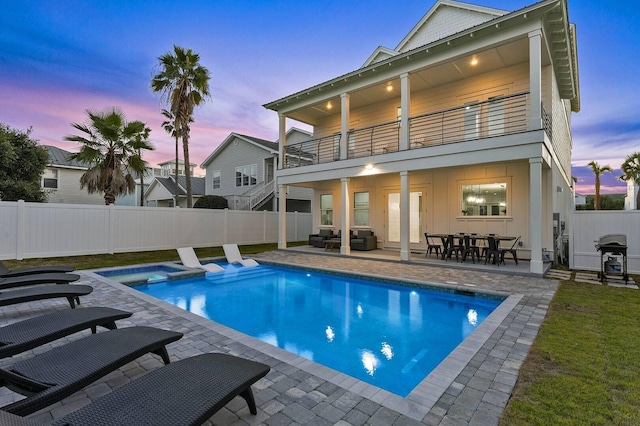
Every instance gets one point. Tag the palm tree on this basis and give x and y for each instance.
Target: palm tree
(631, 171)
(169, 126)
(184, 84)
(598, 171)
(112, 148)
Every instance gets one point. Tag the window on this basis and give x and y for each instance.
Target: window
(216, 179)
(247, 175)
(361, 209)
(326, 209)
(50, 179)
(394, 219)
(487, 199)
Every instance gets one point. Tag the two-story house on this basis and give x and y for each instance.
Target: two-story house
(464, 126)
(242, 169)
(61, 179)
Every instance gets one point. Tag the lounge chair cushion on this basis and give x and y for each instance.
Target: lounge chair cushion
(48, 278)
(6, 272)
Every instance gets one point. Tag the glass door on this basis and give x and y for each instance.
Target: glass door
(393, 218)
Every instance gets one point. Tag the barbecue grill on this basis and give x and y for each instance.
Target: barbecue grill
(616, 245)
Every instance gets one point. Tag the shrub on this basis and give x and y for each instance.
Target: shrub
(211, 202)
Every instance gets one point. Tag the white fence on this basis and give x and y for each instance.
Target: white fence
(29, 230)
(588, 226)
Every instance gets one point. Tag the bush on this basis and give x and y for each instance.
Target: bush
(211, 202)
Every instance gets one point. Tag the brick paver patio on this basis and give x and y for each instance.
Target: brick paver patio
(471, 387)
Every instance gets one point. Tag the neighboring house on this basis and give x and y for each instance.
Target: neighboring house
(61, 179)
(463, 127)
(581, 200)
(241, 169)
(161, 191)
(166, 169)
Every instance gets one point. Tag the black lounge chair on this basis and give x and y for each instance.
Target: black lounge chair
(187, 392)
(51, 376)
(71, 291)
(28, 334)
(50, 278)
(6, 272)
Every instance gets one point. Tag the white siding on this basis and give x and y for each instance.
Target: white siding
(69, 191)
(444, 22)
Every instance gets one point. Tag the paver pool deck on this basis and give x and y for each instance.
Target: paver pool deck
(471, 387)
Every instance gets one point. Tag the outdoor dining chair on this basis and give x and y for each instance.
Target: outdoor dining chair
(511, 250)
(432, 245)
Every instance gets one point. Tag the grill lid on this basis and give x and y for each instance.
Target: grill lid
(613, 239)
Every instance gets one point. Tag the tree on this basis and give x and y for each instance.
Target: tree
(598, 171)
(631, 171)
(184, 84)
(22, 164)
(113, 149)
(169, 126)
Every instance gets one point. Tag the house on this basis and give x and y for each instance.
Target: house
(581, 200)
(162, 191)
(464, 126)
(241, 169)
(61, 179)
(166, 169)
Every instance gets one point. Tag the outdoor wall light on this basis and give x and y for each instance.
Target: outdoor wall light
(329, 106)
(369, 166)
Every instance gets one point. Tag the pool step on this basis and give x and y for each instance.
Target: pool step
(238, 274)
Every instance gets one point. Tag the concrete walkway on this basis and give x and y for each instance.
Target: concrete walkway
(471, 387)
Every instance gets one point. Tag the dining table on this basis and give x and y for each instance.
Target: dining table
(461, 235)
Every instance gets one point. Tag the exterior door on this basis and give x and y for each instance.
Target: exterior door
(393, 218)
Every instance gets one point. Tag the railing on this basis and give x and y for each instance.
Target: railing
(315, 151)
(253, 197)
(503, 115)
(498, 116)
(547, 124)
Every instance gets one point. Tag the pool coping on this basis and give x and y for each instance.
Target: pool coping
(420, 400)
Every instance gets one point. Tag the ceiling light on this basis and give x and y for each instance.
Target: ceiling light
(389, 87)
(329, 106)
(474, 61)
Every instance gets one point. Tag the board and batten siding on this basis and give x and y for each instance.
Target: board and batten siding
(507, 81)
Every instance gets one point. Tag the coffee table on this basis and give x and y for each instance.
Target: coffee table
(332, 244)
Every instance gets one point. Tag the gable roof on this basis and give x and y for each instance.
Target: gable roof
(380, 54)
(552, 13)
(446, 17)
(270, 147)
(58, 157)
(197, 185)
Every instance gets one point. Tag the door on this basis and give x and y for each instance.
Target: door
(495, 117)
(471, 121)
(393, 218)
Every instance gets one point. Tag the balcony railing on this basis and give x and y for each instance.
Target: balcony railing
(498, 116)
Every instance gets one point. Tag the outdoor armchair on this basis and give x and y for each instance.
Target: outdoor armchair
(364, 240)
(51, 376)
(33, 332)
(319, 239)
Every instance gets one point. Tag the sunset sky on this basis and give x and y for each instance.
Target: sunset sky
(58, 59)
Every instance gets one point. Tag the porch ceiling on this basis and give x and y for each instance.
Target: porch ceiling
(497, 57)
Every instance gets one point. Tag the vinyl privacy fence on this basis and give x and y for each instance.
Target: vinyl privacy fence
(29, 230)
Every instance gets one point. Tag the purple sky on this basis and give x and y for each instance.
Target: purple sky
(58, 59)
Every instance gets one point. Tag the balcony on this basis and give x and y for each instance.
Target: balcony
(499, 116)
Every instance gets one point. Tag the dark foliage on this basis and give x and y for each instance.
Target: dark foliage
(211, 202)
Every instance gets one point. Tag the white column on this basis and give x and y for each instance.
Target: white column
(535, 79)
(405, 240)
(535, 215)
(282, 132)
(282, 215)
(344, 113)
(345, 244)
(405, 105)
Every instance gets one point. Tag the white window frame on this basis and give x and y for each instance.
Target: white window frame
(216, 180)
(49, 176)
(361, 209)
(326, 211)
(247, 175)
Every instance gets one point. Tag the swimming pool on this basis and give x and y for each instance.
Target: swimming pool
(387, 335)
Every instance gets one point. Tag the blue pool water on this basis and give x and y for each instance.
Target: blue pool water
(150, 274)
(387, 335)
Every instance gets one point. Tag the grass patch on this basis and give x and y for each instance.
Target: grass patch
(136, 258)
(583, 366)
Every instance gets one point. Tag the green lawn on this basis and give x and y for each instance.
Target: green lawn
(583, 368)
